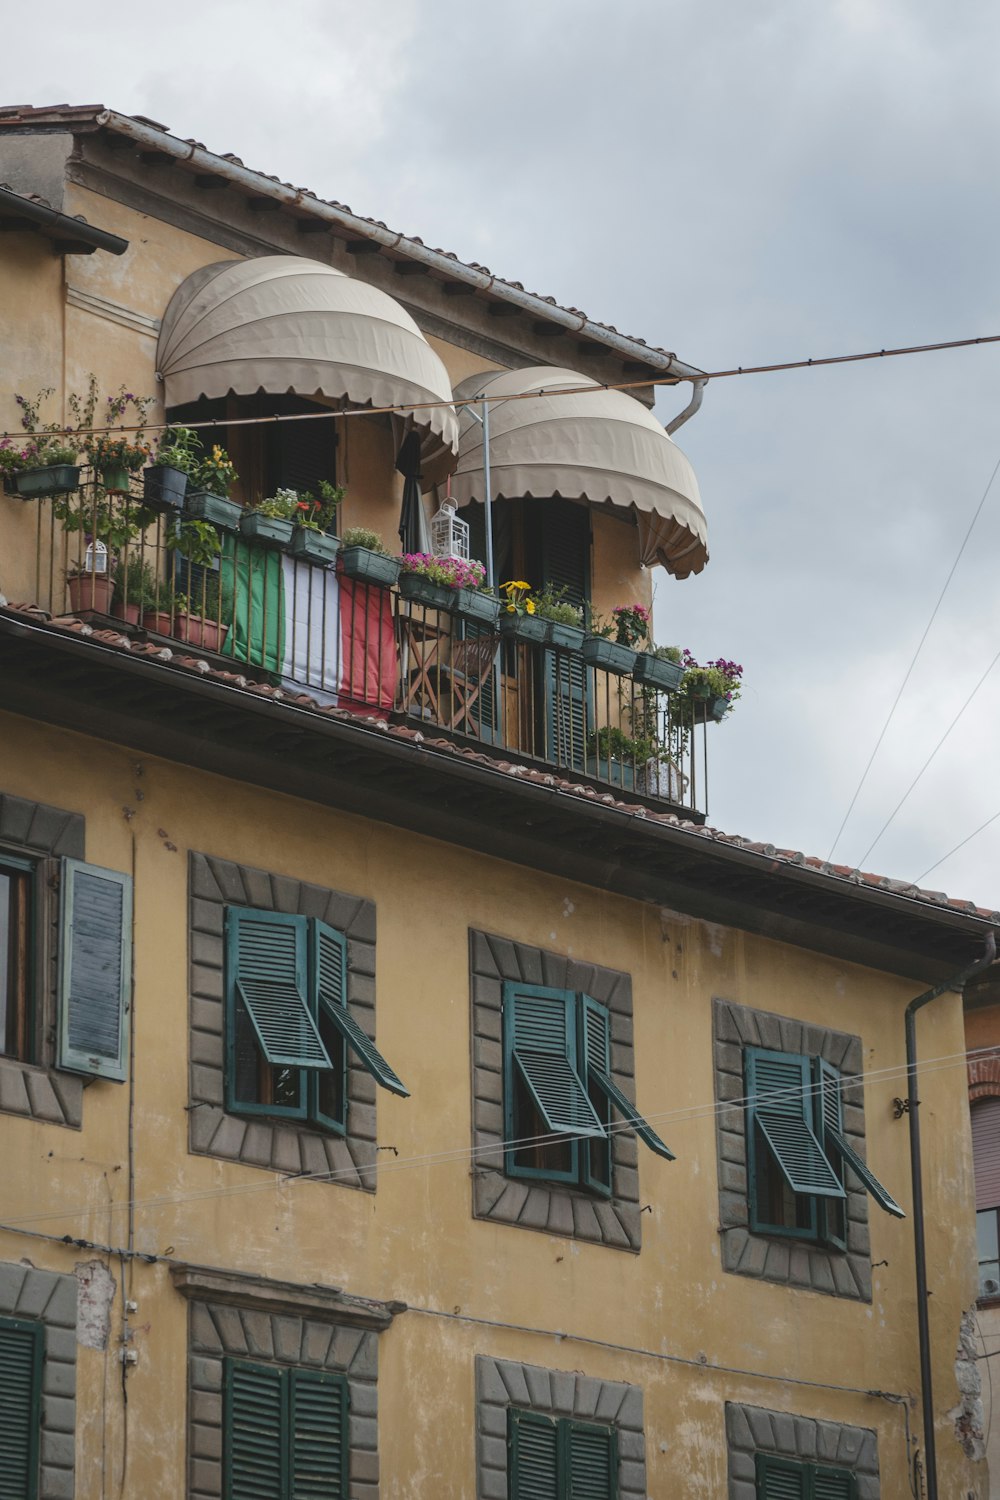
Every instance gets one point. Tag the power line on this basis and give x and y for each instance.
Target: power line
(968, 840)
(913, 662)
(465, 1154)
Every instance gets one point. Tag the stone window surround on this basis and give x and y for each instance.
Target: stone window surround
(50, 1298)
(557, 1208)
(289, 1146)
(751, 1430)
(277, 1322)
(789, 1262)
(502, 1383)
(50, 833)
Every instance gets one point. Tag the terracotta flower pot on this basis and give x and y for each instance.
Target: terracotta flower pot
(127, 612)
(90, 592)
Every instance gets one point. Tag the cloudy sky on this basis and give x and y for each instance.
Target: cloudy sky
(740, 184)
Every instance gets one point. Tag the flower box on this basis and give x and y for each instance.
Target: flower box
(718, 708)
(163, 487)
(615, 772)
(420, 590)
(608, 655)
(273, 531)
(314, 546)
(368, 566)
(116, 478)
(526, 628)
(473, 604)
(196, 631)
(54, 479)
(566, 637)
(657, 671)
(222, 512)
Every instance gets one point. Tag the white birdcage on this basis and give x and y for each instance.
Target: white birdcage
(449, 535)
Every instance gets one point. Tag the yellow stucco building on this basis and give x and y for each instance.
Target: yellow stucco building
(403, 1090)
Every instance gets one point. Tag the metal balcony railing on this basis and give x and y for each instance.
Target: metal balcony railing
(251, 607)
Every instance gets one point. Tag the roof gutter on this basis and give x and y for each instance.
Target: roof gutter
(198, 159)
(62, 226)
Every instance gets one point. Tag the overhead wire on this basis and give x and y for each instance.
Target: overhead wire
(472, 1154)
(967, 840)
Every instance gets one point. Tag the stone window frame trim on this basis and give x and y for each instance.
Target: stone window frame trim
(49, 1298)
(755, 1429)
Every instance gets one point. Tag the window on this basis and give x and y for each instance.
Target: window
(557, 1458)
(986, 1161)
(559, 1095)
(797, 1150)
(788, 1479)
(285, 1432)
(288, 1029)
(16, 957)
(21, 1346)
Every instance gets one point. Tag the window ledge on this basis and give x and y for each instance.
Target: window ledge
(320, 1303)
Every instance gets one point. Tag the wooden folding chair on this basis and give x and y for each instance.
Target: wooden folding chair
(469, 668)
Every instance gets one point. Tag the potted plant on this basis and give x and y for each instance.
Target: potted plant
(629, 627)
(177, 458)
(90, 589)
(46, 465)
(209, 483)
(105, 525)
(518, 614)
(271, 521)
(134, 584)
(564, 620)
(660, 668)
(620, 758)
(709, 690)
(363, 556)
(173, 614)
(314, 517)
(454, 584)
(115, 459)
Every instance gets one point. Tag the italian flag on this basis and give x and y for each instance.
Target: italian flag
(309, 628)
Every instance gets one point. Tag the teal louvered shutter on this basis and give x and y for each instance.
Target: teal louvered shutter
(779, 1102)
(329, 965)
(95, 970)
(533, 1456)
(596, 1042)
(540, 1042)
(21, 1348)
(255, 1424)
(319, 1435)
(591, 1461)
(832, 1484)
(564, 536)
(830, 1117)
(780, 1478)
(266, 956)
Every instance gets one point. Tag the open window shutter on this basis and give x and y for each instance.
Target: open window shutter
(95, 970)
(540, 1036)
(778, 1089)
(255, 1453)
(267, 964)
(330, 970)
(592, 1461)
(565, 564)
(830, 1117)
(21, 1347)
(319, 1435)
(986, 1152)
(833, 1484)
(780, 1478)
(597, 1054)
(533, 1445)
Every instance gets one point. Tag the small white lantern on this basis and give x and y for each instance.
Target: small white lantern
(96, 558)
(449, 535)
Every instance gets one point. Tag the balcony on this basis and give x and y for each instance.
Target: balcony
(347, 641)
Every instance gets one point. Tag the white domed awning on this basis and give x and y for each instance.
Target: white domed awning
(280, 323)
(603, 447)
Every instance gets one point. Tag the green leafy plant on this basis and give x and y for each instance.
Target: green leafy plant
(203, 602)
(179, 448)
(196, 540)
(101, 517)
(135, 582)
(712, 679)
(280, 506)
(518, 598)
(46, 446)
(168, 601)
(215, 472)
(103, 449)
(552, 604)
(363, 536)
(629, 624)
(611, 743)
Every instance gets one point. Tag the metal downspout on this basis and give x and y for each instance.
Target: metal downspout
(697, 392)
(916, 1177)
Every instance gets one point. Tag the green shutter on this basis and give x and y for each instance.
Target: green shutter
(267, 964)
(330, 971)
(95, 970)
(592, 1461)
(540, 1040)
(595, 1029)
(780, 1478)
(831, 1121)
(319, 1428)
(533, 1447)
(833, 1484)
(564, 544)
(21, 1348)
(779, 1101)
(255, 1454)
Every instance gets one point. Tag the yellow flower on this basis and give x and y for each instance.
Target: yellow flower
(511, 609)
(530, 606)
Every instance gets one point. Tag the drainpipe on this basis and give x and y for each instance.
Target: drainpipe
(697, 392)
(912, 1105)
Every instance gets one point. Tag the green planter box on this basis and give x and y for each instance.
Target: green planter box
(204, 506)
(316, 547)
(472, 604)
(367, 566)
(566, 637)
(657, 671)
(718, 708)
(420, 590)
(116, 478)
(608, 655)
(163, 487)
(56, 479)
(526, 628)
(273, 531)
(614, 772)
